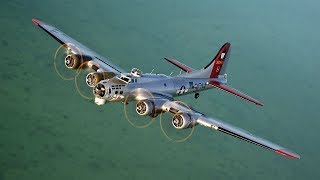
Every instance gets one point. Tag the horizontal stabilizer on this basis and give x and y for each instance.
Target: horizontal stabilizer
(179, 65)
(235, 92)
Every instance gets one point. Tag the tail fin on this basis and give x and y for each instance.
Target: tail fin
(216, 68)
(219, 63)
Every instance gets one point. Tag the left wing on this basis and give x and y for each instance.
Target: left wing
(199, 118)
(64, 39)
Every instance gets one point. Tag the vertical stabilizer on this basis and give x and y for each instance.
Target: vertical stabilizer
(219, 63)
(216, 68)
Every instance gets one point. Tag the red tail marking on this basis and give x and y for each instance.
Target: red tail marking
(219, 60)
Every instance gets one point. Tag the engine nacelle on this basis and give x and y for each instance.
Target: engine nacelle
(94, 78)
(145, 108)
(73, 61)
(182, 121)
(100, 90)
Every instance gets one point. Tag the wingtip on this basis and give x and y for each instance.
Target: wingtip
(259, 104)
(287, 153)
(35, 22)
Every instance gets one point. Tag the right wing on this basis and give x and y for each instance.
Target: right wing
(64, 39)
(199, 118)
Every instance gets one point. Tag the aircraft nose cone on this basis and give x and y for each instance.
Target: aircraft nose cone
(99, 90)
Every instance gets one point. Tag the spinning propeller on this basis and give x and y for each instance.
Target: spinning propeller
(71, 64)
(172, 125)
(140, 106)
(67, 56)
(85, 80)
(139, 113)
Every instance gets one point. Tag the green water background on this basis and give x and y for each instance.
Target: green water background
(47, 131)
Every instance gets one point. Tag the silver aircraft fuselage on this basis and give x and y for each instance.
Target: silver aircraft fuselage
(116, 89)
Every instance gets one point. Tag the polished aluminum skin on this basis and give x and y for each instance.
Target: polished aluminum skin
(154, 93)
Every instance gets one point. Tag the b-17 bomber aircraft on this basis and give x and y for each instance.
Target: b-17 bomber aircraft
(153, 94)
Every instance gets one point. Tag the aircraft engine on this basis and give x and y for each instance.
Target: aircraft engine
(100, 90)
(94, 78)
(145, 107)
(73, 61)
(182, 121)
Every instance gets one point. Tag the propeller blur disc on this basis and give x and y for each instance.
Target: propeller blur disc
(131, 107)
(59, 61)
(173, 134)
(80, 81)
